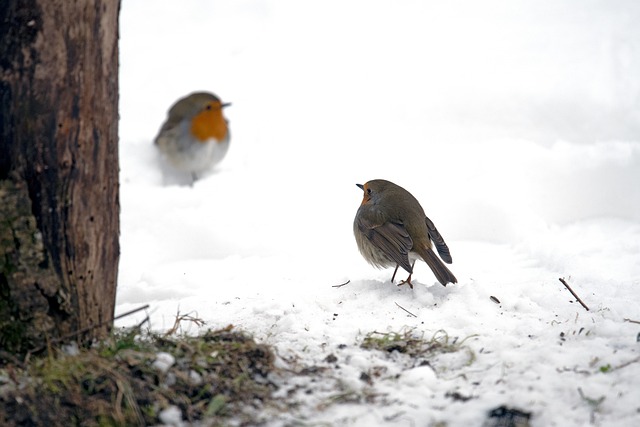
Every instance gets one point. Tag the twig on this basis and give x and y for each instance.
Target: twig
(135, 310)
(139, 325)
(625, 364)
(184, 317)
(593, 403)
(82, 331)
(406, 310)
(631, 321)
(97, 325)
(341, 285)
(573, 293)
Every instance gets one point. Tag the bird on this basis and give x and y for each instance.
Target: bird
(391, 229)
(195, 135)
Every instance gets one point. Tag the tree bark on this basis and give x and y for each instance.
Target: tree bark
(59, 205)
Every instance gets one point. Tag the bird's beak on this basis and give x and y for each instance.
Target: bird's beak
(226, 104)
(360, 186)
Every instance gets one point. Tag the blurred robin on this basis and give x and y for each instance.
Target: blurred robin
(195, 136)
(391, 229)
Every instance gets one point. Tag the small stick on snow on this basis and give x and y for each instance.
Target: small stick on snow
(406, 310)
(573, 293)
(625, 364)
(631, 321)
(341, 285)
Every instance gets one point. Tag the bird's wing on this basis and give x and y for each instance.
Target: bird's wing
(392, 239)
(438, 241)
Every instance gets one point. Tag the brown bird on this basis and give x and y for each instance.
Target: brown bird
(391, 228)
(195, 135)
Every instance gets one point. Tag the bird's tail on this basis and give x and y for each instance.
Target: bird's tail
(442, 273)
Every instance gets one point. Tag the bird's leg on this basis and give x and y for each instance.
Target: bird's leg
(394, 273)
(408, 280)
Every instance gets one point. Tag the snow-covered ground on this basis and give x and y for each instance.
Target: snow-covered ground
(517, 126)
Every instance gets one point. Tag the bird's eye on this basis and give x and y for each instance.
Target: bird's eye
(368, 191)
(208, 107)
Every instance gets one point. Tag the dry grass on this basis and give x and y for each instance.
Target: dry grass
(220, 377)
(420, 350)
(215, 376)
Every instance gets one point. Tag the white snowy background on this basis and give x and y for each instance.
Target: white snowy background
(517, 126)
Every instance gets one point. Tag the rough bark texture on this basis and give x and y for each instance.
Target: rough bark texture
(59, 206)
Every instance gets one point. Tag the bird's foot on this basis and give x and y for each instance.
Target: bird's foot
(406, 282)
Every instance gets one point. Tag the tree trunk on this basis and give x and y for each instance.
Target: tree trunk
(59, 206)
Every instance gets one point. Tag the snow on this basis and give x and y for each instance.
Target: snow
(171, 416)
(163, 361)
(517, 126)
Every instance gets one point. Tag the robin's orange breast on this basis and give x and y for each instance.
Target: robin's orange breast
(209, 123)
